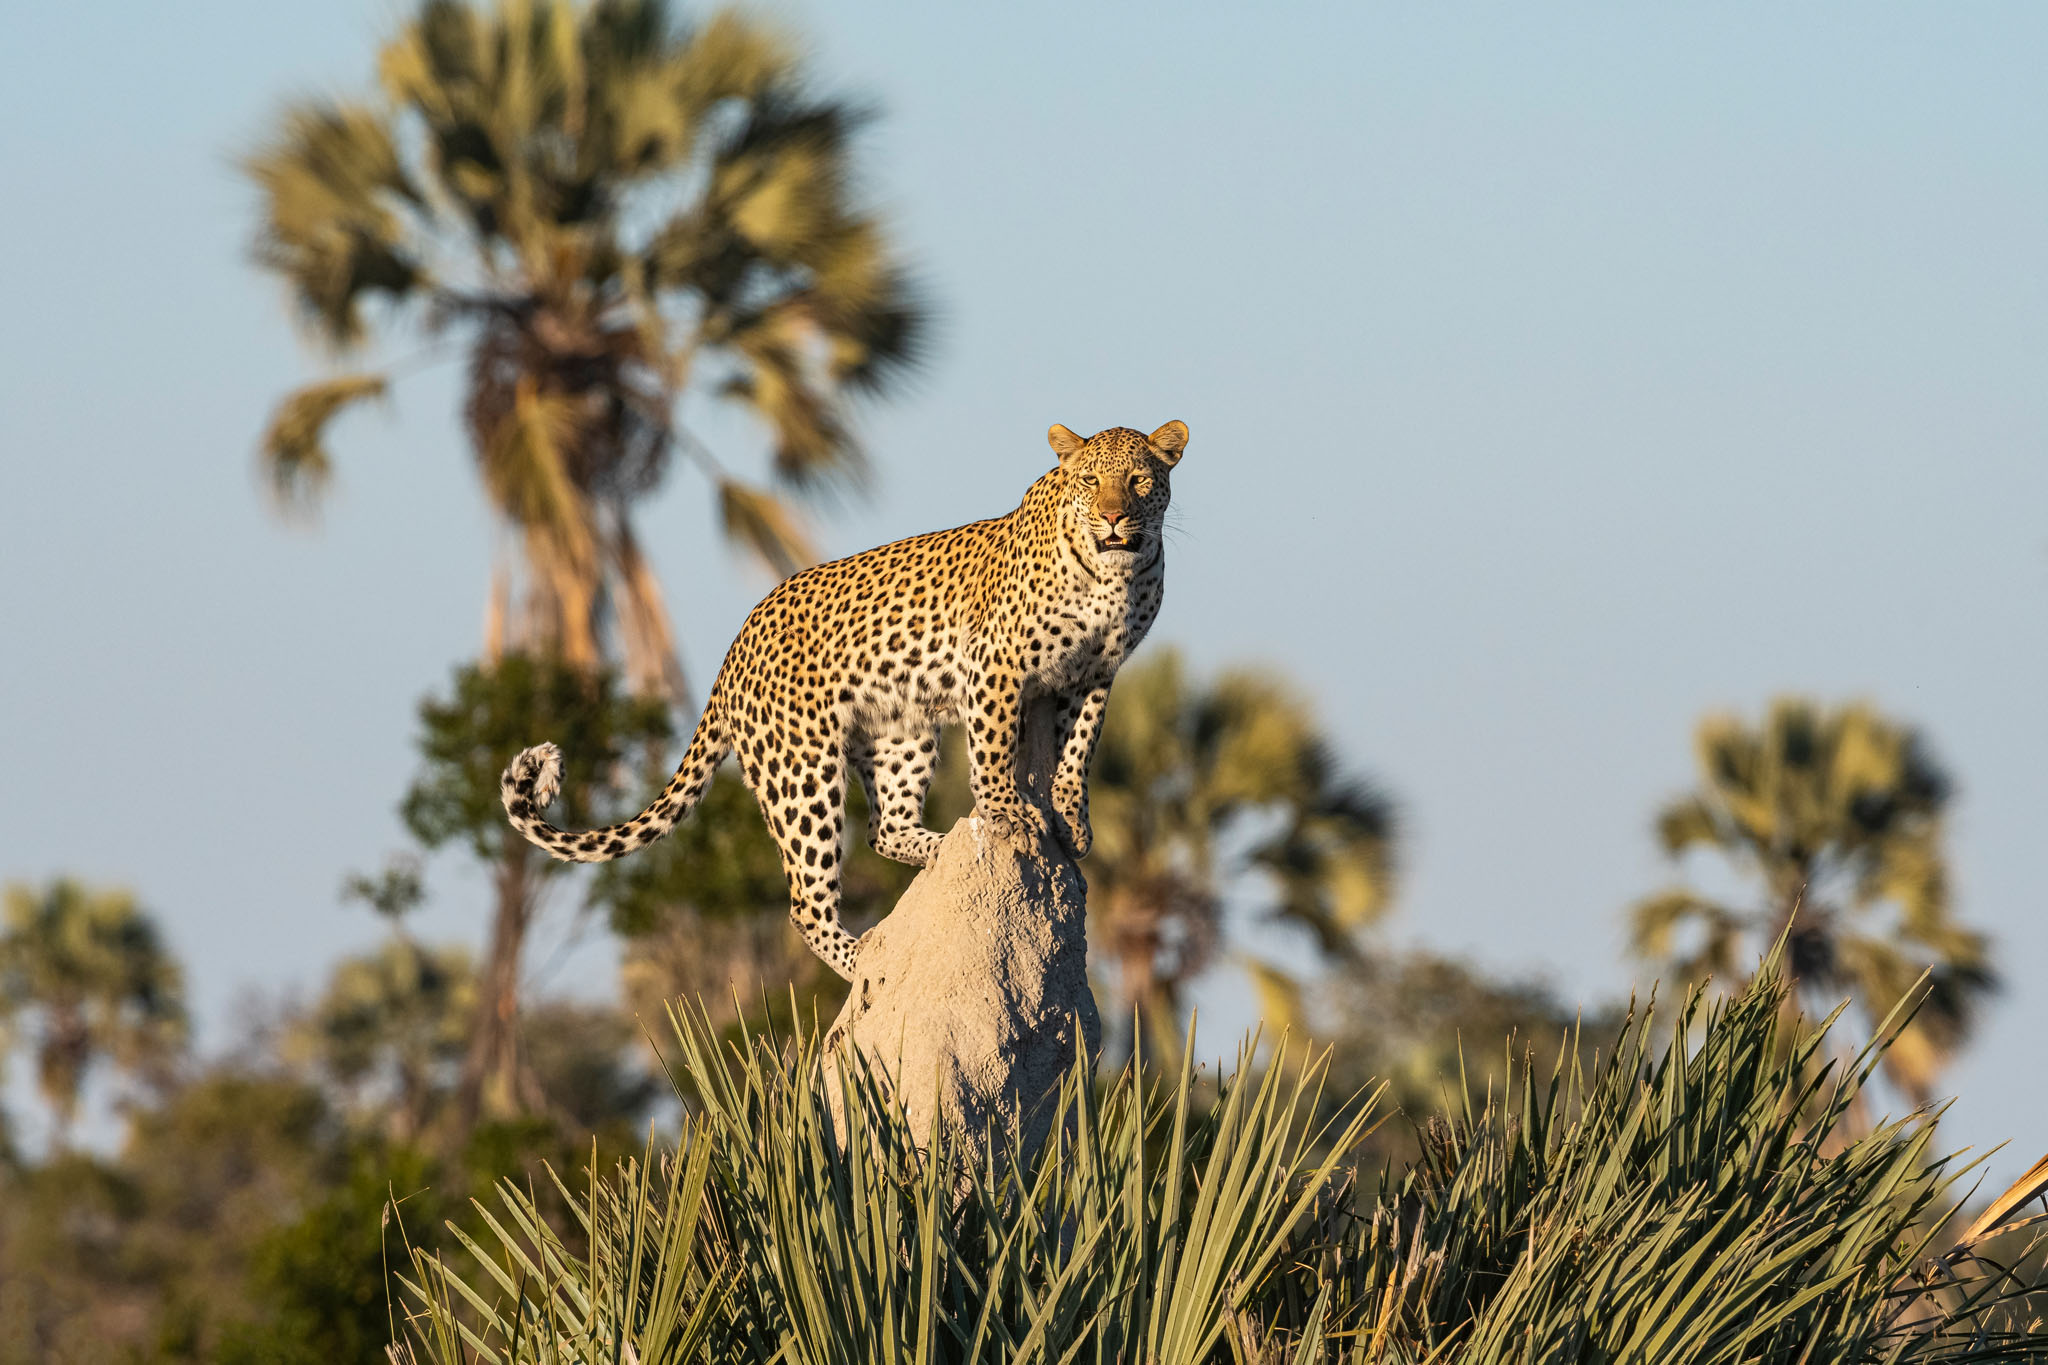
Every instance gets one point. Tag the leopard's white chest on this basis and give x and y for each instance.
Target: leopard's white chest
(1093, 631)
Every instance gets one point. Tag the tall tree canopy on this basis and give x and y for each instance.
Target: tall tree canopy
(1194, 787)
(1835, 815)
(606, 212)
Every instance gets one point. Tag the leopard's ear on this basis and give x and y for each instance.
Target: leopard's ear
(1170, 440)
(1064, 442)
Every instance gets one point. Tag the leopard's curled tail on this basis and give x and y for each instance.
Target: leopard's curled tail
(533, 779)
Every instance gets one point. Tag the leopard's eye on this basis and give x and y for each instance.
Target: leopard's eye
(1090, 480)
(1141, 485)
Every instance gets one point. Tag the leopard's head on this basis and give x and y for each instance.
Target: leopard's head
(1117, 487)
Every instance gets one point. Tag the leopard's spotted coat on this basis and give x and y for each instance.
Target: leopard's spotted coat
(857, 662)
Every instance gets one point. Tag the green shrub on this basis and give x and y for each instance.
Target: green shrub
(1703, 1204)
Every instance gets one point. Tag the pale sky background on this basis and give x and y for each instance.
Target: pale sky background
(1555, 374)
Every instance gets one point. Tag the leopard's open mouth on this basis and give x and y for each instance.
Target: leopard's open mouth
(1115, 542)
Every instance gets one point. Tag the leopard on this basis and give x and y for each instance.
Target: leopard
(854, 666)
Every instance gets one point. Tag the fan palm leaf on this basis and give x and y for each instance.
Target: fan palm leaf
(294, 447)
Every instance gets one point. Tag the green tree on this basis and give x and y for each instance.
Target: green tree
(1835, 816)
(88, 973)
(318, 1284)
(1194, 788)
(466, 739)
(607, 214)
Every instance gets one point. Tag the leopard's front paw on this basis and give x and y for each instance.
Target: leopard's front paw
(1074, 831)
(1017, 821)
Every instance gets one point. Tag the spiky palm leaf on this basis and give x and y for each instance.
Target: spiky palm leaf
(1694, 1201)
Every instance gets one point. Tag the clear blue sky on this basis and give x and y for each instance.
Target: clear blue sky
(1555, 374)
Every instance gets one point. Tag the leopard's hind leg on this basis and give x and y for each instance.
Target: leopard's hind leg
(805, 807)
(896, 771)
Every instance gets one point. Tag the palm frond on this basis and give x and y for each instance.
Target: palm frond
(782, 385)
(1940, 1000)
(1281, 1003)
(1688, 822)
(881, 338)
(763, 523)
(1656, 921)
(335, 202)
(526, 466)
(296, 463)
(734, 56)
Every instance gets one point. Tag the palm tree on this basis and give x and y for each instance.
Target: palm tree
(1836, 816)
(394, 1024)
(91, 971)
(606, 214)
(396, 1019)
(1192, 789)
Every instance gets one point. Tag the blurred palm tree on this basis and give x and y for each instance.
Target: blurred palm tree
(1193, 788)
(393, 1024)
(607, 213)
(1837, 813)
(91, 971)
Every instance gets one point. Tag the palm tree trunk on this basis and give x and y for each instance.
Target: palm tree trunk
(496, 1082)
(652, 666)
(65, 1053)
(1137, 919)
(497, 613)
(561, 612)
